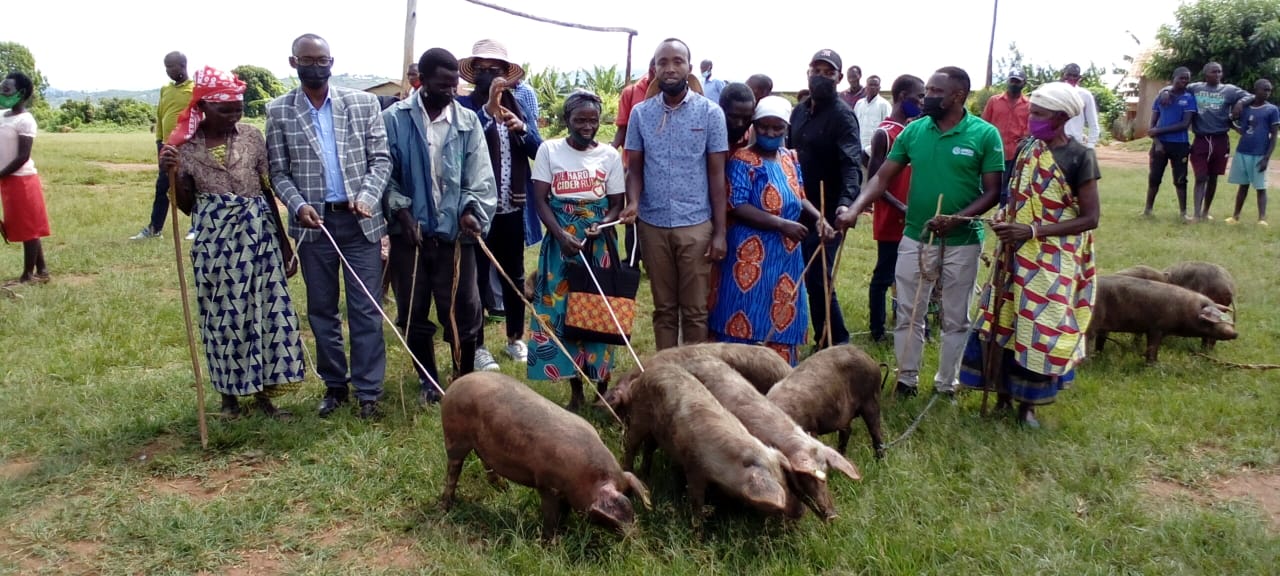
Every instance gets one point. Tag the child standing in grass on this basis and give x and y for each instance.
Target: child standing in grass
(1257, 127)
(25, 218)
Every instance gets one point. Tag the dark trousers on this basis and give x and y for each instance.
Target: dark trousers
(813, 284)
(435, 282)
(160, 206)
(506, 241)
(881, 280)
(321, 268)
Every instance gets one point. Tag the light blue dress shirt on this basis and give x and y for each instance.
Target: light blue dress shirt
(335, 187)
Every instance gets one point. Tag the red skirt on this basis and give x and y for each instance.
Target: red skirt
(24, 214)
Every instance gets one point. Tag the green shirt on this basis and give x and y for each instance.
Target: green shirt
(950, 164)
(174, 98)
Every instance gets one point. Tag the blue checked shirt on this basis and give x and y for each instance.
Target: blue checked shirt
(676, 142)
(334, 188)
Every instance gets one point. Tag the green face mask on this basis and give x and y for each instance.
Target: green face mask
(10, 100)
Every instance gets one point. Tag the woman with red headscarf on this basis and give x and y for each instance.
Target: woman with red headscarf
(242, 258)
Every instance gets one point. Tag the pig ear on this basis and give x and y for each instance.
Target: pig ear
(636, 487)
(837, 461)
(1215, 315)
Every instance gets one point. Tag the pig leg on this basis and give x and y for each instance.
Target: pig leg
(1153, 346)
(632, 441)
(553, 510)
(871, 417)
(697, 489)
(649, 448)
(1206, 344)
(457, 455)
(1100, 340)
(498, 482)
(842, 438)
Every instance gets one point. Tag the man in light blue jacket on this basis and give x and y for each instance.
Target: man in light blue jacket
(440, 196)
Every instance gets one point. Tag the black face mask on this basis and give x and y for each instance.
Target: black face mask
(314, 76)
(484, 81)
(579, 141)
(674, 89)
(822, 89)
(933, 107)
(736, 134)
(436, 100)
(1015, 90)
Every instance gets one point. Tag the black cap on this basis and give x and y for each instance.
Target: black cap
(830, 57)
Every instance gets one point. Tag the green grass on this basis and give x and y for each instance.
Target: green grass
(102, 471)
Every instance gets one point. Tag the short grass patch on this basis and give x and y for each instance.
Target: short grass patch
(1166, 469)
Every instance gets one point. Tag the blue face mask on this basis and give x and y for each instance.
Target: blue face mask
(769, 143)
(910, 108)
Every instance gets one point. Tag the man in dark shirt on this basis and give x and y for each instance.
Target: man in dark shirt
(824, 132)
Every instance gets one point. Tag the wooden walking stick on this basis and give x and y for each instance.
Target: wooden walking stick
(826, 271)
(186, 309)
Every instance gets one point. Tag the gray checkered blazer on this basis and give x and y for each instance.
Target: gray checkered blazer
(297, 172)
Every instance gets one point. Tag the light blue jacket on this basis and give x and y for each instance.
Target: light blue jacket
(467, 180)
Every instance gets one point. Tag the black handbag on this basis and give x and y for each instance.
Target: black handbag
(587, 317)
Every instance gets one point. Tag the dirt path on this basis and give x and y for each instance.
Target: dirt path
(1119, 157)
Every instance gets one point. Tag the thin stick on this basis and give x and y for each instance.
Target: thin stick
(186, 310)
(915, 300)
(408, 319)
(1237, 365)
(795, 295)
(546, 327)
(453, 305)
(826, 273)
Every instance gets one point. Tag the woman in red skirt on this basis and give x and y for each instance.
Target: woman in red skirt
(25, 219)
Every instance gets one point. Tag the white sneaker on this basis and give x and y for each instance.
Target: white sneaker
(191, 235)
(485, 361)
(518, 351)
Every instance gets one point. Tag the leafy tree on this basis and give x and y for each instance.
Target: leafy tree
(1242, 35)
(15, 57)
(260, 87)
(125, 112)
(76, 112)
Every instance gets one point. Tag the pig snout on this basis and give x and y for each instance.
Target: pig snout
(612, 510)
(814, 493)
(1224, 331)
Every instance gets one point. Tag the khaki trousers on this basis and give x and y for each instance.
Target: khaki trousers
(679, 277)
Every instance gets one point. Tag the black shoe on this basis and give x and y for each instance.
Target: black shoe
(902, 391)
(1027, 416)
(428, 396)
(230, 406)
(330, 403)
(369, 410)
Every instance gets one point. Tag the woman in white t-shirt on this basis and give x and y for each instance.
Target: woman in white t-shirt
(577, 185)
(25, 219)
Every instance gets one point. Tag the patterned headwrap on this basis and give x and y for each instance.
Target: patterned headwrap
(1059, 97)
(211, 85)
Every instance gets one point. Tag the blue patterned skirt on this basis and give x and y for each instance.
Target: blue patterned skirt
(250, 330)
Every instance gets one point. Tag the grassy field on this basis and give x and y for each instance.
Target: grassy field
(1166, 469)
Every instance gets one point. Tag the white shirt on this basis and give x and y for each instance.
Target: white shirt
(576, 174)
(437, 132)
(1075, 127)
(25, 125)
(870, 115)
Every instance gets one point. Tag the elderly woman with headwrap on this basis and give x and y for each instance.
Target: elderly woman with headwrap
(1046, 292)
(577, 185)
(241, 257)
(758, 296)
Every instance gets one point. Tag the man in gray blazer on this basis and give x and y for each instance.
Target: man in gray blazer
(327, 149)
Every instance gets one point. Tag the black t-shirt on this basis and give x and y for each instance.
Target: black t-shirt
(1078, 163)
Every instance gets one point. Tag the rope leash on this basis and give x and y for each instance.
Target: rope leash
(914, 423)
(377, 306)
(1238, 365)
(546, 327)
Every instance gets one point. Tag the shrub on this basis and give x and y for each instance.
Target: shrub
(126, 112)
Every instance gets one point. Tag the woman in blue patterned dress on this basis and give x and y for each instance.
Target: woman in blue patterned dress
(757, 296)
(241, 257)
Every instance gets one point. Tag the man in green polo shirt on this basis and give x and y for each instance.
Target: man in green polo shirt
(955, 158)
(174, 98)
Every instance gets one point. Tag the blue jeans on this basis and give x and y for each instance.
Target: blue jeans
(320, 268)
(813, 284)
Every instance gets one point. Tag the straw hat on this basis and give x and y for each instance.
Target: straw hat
(695, 84)
(489, 50)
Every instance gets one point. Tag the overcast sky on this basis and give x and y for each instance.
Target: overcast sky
(96, 45)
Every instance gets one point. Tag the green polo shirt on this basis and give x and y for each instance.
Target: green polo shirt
(174, 98)
(950, 164)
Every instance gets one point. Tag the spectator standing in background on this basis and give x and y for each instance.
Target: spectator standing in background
(174, 98)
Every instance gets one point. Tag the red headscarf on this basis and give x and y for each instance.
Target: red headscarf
(211, 85)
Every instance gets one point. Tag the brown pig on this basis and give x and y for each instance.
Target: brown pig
(831, 388)
(1144, 271)
(809, 458)
(523, 437)
(761, 366)
(1140, 306)
(667, 407)
(1209, 279)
